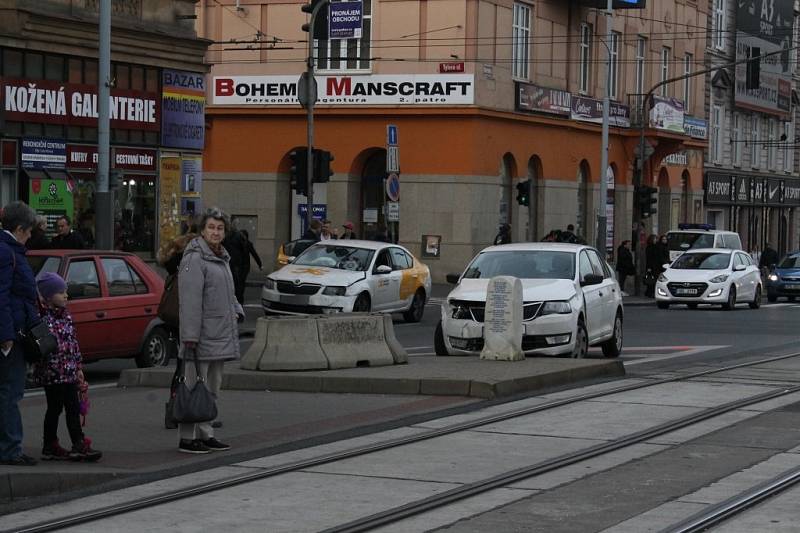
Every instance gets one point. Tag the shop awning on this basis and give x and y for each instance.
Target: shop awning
(58, 174)
(35, 174)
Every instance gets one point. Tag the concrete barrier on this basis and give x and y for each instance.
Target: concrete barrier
(399, 354)
(253, 356)
(350, 340)
(292, 343)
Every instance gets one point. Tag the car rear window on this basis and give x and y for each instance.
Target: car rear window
(44, 263)
(685, 241)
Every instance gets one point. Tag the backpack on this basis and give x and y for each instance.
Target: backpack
(169, 306)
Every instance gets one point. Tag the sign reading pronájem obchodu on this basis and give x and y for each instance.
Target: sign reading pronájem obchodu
(408, 89)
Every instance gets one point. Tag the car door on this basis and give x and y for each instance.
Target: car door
(387, 286)
(741, 278)
(607, 294)
(87, 307)
(753, 274)
(129, 306)
(591, 297)
(409, 281)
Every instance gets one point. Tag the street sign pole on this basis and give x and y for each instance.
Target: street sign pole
(600, 243)
(311, 100)
(104, 201)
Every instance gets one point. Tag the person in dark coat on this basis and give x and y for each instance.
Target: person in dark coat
(348, 231)
(314, 230)
(66, 239)
(625, 266)
(236, 245)
(251, 252)
(39, 240)
(652, 265)
(18, 312)
(769, 258)
(663, 250)
(503, 235)
(569, 236)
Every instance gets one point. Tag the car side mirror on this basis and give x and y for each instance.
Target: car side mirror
(290, 259)
(452, 279)
(665, 266)
(739, 268)
(383, 269)
(591, 279)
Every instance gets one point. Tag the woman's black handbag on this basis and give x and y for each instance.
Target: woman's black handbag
(649, 278)
(196, 404)
(38, 343)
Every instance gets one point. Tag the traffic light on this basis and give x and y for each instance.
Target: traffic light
(298, 173)
(646, 197)
(321, 23)
(524, 192)
(322, 166)
(753, 73)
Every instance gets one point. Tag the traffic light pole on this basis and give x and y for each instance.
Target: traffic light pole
(311, 97)
(600, 243)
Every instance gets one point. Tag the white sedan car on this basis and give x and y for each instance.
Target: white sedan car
(710, 276)
(571, 300)
(349, 276)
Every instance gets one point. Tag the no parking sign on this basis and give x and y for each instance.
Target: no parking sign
(393, 187)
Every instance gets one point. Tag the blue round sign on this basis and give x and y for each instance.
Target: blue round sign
(393, 187)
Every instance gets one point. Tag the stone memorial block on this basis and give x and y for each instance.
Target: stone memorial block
(502, 323)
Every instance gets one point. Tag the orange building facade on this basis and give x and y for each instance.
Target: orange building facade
(496, 93)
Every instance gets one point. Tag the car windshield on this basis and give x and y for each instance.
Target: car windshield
(684, 241)
(335, 256)
(534, 264)
(702, 261)
(43, 263)
(790, 261)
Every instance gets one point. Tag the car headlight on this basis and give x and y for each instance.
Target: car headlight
(460, 312)
(662, 278)
(270, 284)
(334, 291)
(773, 277)
(556, 308)
(722, 278)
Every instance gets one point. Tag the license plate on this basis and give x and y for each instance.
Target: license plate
(686, 291)
(293, 299)
(459, 344)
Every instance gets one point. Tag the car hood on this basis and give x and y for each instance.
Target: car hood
(675, 274)
(787, 272)
(533, 290)
(320, 275)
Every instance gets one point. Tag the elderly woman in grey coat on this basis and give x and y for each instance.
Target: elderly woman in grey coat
(208, 320)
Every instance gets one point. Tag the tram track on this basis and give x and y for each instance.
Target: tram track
(450, 496)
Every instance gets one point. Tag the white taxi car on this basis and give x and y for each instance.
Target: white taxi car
(349, 276)
(710, 276)
(571, 300)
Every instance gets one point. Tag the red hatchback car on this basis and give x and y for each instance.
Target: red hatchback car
(113, 297)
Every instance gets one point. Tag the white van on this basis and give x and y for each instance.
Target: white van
(700, 236)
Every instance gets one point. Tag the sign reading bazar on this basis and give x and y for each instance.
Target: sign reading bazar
(183, 98)
(74, 104)
(348, 90)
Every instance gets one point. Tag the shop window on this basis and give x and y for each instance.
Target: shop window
(122, 76)
(137, 78)
(151, 80)
(90, 72)
(151, 137)
(54, 130)
(75, 70)
(54, 68)
(136, 214)
(136, 136)
(120, 136)
(30, 129)
(13, 129)
(90, 134)
(12, 63)
(74, 133)
(8, 186)
(34, 66)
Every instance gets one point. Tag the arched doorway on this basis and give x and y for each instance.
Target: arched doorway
(534, 212)
(373, 198)
(582, 222)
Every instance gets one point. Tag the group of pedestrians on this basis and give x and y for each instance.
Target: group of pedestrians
(321, 230)
(66, 238)
(656, 256)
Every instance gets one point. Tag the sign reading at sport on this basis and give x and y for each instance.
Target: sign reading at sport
(616, 4)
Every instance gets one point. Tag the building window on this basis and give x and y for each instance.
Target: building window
(687, 82)
(717, 116)
(665, 54)
(616, 37)
(348, 54)
(520, 41)
(795, 42)
(755, 141)
(585, 57)
(736, 140)
(718, 25)
(641, 50)
(788, 146)
(772, 144)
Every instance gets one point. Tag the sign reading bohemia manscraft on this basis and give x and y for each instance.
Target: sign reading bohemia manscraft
(348, 90)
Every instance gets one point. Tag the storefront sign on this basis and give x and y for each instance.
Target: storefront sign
(51, 198)
(694, 127)
(591, 110)
(791, 192)
(135, 159)
(75, 104)
(407, 89)
(765, 28)
(43, 153)
(666, 114)
(751, 190)
(169, 205)
(183, 100)
(532, 98)
(451, 68)
(81, 157)
(344, 21)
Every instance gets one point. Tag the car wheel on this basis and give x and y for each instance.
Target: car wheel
(756, 303)
(417, 309)
(581, 349)
(438, 341)
(362, 305)
(771, 298)
(613, 346)
(731, 303)
(663, 305)
(691, 306)
(158, 349)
